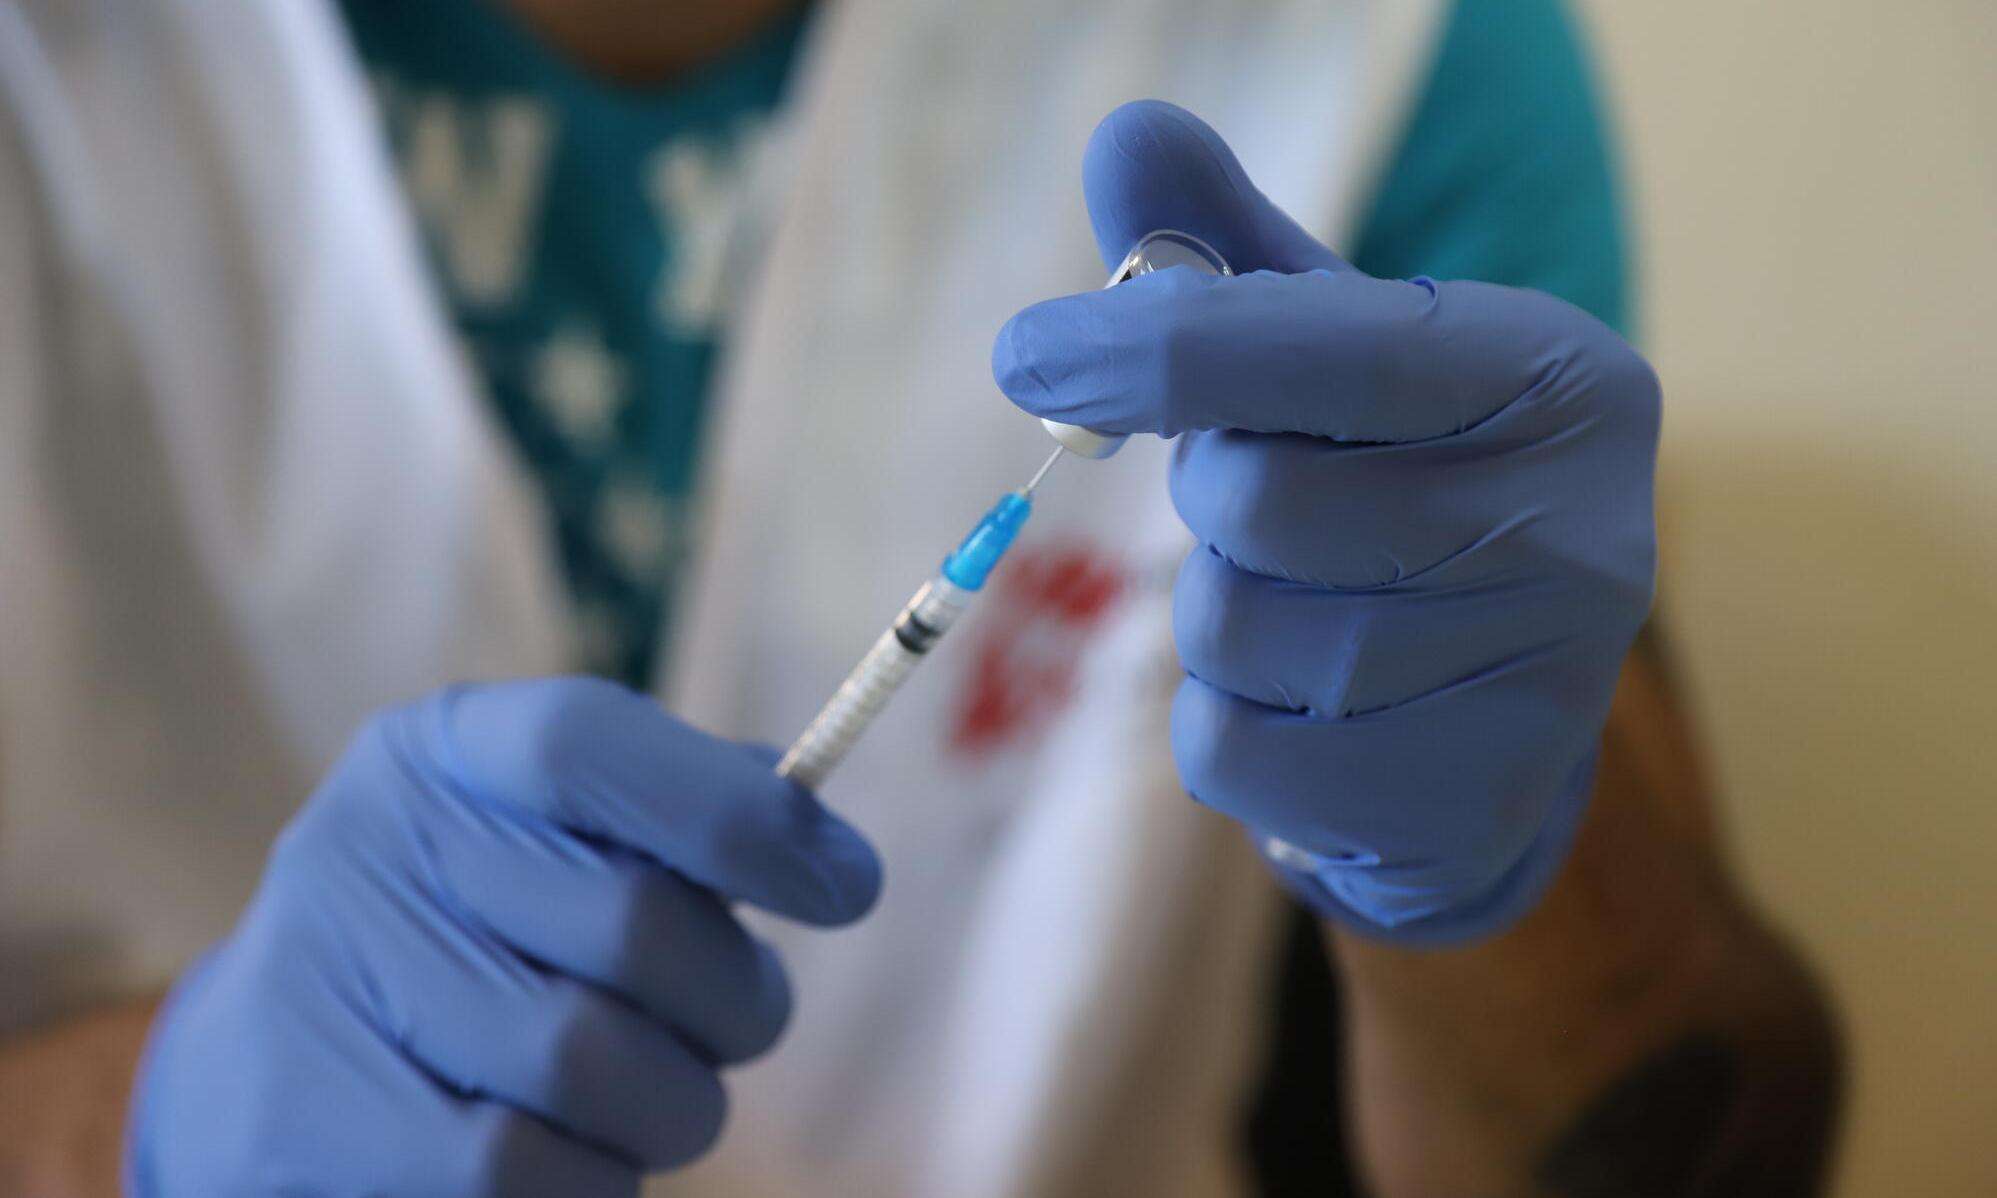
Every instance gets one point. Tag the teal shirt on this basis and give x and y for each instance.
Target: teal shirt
(576, 229)
(1504, 172)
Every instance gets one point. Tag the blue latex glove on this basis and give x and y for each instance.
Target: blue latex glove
(493, 956)
(1426, 540)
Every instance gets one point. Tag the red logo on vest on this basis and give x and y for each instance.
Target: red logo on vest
(1049, 599)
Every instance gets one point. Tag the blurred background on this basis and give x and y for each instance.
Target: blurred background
(1816, 187)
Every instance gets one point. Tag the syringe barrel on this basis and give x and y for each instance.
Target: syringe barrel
(871, 683)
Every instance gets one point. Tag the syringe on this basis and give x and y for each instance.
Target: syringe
(927, 616)
(922, 622)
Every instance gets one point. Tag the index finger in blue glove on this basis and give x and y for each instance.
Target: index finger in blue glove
(1334, 354)
(1299, 341)
(600, 760)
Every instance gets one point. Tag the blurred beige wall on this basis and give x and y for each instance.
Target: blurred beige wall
(1816, 182)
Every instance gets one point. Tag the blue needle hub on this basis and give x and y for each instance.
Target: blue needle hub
(974, 559)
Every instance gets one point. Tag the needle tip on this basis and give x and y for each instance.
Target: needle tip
(1033, 484)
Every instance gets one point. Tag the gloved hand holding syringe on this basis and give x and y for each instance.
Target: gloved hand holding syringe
(941, 600)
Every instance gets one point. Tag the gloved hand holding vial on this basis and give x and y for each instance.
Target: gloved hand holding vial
(1425, 540)
(1424, 523)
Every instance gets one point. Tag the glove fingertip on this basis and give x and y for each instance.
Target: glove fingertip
(1014, 370)
(814, 866)
(1071, 358)
(847, 871)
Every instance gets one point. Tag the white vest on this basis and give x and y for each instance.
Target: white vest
(247, 493)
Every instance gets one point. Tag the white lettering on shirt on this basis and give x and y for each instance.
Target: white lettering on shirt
(475, 172)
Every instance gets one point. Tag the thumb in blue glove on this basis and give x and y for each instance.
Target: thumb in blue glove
(493, 955)
(1425, 534)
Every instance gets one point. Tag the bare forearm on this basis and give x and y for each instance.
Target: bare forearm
(1639, 1035)
(62, 1103)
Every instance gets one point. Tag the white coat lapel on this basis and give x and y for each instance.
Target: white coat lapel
(344, 482)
